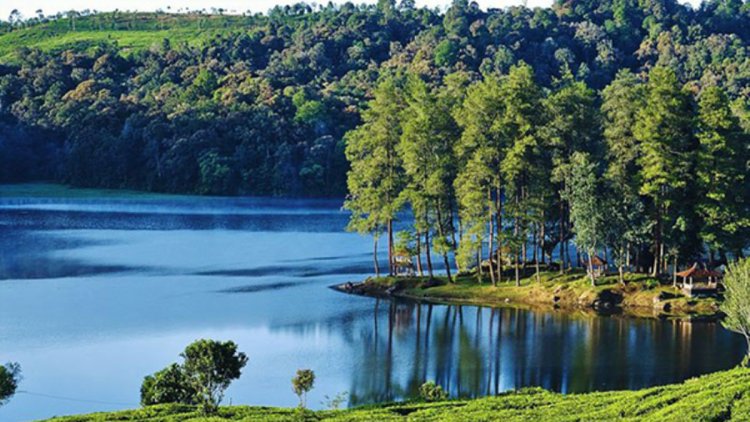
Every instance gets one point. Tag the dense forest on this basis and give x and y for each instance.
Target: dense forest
(260, 103)
(504, 172)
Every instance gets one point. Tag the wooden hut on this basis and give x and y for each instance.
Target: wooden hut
(696, 280)
(403, 264)
(598, 266)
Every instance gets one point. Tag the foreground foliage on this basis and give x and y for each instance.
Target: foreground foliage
(209, 367)
(720, 396)
(10, 376)
(737, 303)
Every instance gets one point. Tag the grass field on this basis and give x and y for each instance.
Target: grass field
(130, 31)
(723, 396)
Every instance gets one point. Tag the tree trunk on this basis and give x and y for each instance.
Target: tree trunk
(536, 258)
(674, 271)
(542, 240)
(657, 242)
(627, 255)
(454, 244)
(441, 232)
(375, 256)
(516, 231)
(499, 217)
(591, 268)
(561, 229)
(419, 254)
(390, 246)
(480, 273)
(491, 239)
(428, 255)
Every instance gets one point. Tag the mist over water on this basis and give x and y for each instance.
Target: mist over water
(97, 293)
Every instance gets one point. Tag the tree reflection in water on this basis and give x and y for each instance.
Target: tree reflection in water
(473, 351)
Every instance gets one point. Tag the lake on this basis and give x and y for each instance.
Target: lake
(97, 292)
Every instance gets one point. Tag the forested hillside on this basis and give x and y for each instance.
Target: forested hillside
(260, 104)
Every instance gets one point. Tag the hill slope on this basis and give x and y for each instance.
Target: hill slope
(722, 396)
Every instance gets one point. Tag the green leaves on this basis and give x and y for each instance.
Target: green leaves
(721, 170)
(209, 367)
(302, 383)
(736, 303)
(376, 178)
(10, 377)
(586, 210)
(663, 129)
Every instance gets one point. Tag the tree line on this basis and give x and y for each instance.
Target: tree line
(502, 173)
(259, 104)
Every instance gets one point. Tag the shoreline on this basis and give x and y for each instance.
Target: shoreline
(640, 297)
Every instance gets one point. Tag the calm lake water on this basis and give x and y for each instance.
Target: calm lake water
(97, 293)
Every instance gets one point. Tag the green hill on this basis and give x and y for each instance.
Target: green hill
(723, 396)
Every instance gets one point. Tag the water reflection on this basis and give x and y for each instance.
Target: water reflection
(474, 351)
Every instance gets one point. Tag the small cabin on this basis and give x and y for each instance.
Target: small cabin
(598, 266)
(505, 257)
(698, 280)
(403, 264)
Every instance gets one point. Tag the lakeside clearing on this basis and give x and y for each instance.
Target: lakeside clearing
(641, 296)
(720, 396)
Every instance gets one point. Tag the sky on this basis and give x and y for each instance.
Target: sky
(50, 7)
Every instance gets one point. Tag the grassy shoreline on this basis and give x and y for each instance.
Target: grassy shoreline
(641, 296)
(720, 396)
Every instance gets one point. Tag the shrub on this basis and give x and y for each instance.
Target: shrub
(430, 391)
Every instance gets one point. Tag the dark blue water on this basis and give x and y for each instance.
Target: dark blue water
(97, 293)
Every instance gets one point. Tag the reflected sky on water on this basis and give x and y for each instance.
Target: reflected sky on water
(95, 294)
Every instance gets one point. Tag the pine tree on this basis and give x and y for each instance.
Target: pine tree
(480, 149)
(572, 125)
(585, 207)
(721, 170)
(522, 98)
(426, 148)
(626, 227)
(664, 131)
(376, 178)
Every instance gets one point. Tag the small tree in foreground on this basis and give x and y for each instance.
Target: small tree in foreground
(10, 376)
(209, 367)
(736, 303)
(302, 383)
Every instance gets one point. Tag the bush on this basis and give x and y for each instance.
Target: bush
(430, 391)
